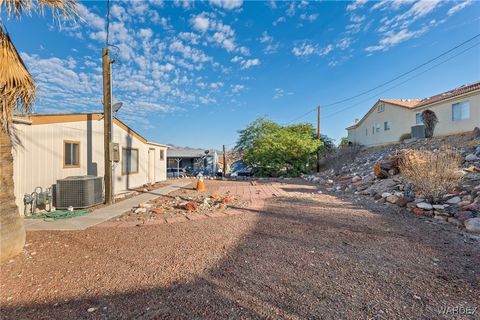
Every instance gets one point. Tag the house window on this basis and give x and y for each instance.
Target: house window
(377, 127)
(418, 118)
(381, 108)
(460, 111)
(129, 160)
(386, 125)
(373, 129)
(162, 155)
(366, 131)
(71, 154)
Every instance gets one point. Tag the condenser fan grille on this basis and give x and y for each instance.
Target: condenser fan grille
(79, 192)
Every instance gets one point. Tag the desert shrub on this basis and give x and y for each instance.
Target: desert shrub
(341, 157)
(431, 173)
(404, 137)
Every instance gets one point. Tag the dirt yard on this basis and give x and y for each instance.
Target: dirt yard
(291, 253)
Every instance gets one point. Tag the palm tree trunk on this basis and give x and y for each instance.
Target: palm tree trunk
(12, 231)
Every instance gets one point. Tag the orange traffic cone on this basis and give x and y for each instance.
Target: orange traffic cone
(200, 185)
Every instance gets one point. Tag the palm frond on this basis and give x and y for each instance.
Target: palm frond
(17, 89)
(60, 8)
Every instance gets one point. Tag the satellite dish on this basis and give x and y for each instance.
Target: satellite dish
(116, 106)
(207, 151)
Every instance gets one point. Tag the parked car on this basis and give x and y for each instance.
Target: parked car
(176, 173)
(241, 169)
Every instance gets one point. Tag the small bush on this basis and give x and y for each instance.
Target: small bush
(432, 173)
(404, 137)
(345, 154)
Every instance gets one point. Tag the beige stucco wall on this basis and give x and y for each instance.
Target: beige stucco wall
(443, 110)
(38, 159)
(402, 119)
(400, 122)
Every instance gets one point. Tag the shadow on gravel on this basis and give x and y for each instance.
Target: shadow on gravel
(327, 259)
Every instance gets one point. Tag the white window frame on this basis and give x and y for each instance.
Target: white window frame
(130, 161)
(463, 113)
(377, 128)
(418, 118)
(381, 108)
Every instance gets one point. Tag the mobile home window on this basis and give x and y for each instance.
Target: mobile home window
(418, 118)
(71, 154)
(460, 111)
(129, 160)
(386, 125)
(162, 154)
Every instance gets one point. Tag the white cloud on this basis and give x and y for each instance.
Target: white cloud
(237, 88)
(419, 9)
(92, 20)
(326, 50)
(279, 92)
(201, 23)
(459, 7)
(270, 47)
(145, 33)
(309, 17)
(356, 5)
(393, 38)
(304, 49)
(279, 20)
(227, 4)
(265, 37)
(216, 85)
(188, 52)
(247, 64)
(391, 4)
(344, 43)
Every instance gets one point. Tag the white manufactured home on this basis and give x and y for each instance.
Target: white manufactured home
(52, 147)
(457, 110)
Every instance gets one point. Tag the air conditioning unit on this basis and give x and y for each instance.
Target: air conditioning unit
(418, 132)
(79, 192)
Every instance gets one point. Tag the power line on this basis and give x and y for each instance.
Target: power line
(389, 81)
(399, 84)
(403, 74)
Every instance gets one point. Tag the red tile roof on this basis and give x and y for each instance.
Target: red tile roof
(407, 103)
(449, 94)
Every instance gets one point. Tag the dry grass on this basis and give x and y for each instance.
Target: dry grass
(432, 173)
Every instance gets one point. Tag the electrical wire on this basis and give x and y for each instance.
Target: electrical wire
(389, 81)
(399, 84)
(403, 74)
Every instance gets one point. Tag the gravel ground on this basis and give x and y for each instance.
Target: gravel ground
(294, 254)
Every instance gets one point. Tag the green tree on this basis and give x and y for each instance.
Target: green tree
(275, 150)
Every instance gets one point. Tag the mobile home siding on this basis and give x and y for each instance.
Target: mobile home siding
(39, 158)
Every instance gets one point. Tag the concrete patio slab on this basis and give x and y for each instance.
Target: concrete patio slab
(103, 214)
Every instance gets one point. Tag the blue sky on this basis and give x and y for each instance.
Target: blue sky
(194, 73)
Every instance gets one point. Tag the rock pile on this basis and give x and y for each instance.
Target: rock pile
(375, 173)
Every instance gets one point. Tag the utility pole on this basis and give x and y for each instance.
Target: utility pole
(318, 137)
(224, 162)
(107, 127)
